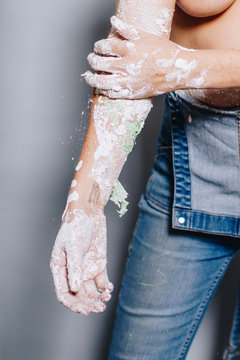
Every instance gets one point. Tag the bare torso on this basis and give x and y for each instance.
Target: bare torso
(209, 24)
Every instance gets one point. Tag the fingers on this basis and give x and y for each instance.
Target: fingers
(105, 296)
(81, 302)
(113, 46)
(126, 31)
(92, 304)
(119, 87)
(107, 64)
(118, 94)
(93, 293)
(105, 82)
(139, 92)
(91, 289)
(58, 269)
(103, 283)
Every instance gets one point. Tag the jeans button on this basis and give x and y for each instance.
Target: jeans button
(181, 220)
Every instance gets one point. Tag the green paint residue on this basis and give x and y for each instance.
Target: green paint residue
(115, 110)
(133, 129)
(119, 196)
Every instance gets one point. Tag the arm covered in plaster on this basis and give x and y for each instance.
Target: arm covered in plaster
(170, 67)
(78, 260)
(148, 65)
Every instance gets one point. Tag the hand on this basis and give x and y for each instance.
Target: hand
(78, 262)
(138, 64)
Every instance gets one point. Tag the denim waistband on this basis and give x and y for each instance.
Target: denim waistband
(193, 102)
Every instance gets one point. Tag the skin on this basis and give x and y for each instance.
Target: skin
(84, 292)
(89, 295)
(204, 8)
(214, 32)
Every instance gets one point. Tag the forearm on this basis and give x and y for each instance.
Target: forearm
(113, 127)
(211, 69)
(154, 17)
(114, 124)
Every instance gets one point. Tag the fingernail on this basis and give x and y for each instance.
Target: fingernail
(110, 287)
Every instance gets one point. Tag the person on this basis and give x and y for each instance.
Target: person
(188, 227)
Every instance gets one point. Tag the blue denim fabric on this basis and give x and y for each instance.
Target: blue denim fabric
(171, 272)
(205, 145)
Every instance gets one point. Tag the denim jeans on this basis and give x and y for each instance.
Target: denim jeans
(172, 272)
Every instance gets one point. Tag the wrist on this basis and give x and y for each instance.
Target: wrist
(211, 69)
(190, 71)
(73, 207)
(83, 195)
(89, 198)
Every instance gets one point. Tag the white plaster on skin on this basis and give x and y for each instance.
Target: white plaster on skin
(129, 84)
(185, 65)
(134, 69)
(74, 183)
(104, 47)
(84, 237)
(111, 137)
(197, 82)
(183, 69)
(81, 246)
(184, 48)
(72, 197)
(79, 165)
(132, 85)
(129, 31)
(165, 62)
(130, 45)
(162, 22)
(155, 19)
(95, 259)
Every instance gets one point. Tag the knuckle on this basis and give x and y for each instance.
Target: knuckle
(98, 44)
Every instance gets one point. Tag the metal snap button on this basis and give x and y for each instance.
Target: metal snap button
(181, 220)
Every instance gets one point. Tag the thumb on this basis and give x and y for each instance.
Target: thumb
(125, 30)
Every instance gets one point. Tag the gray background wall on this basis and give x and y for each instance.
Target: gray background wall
(43, 49)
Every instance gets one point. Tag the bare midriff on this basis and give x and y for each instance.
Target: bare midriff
(198, 25)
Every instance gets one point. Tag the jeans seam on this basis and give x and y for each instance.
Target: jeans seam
(157, 205)
(201, 311)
